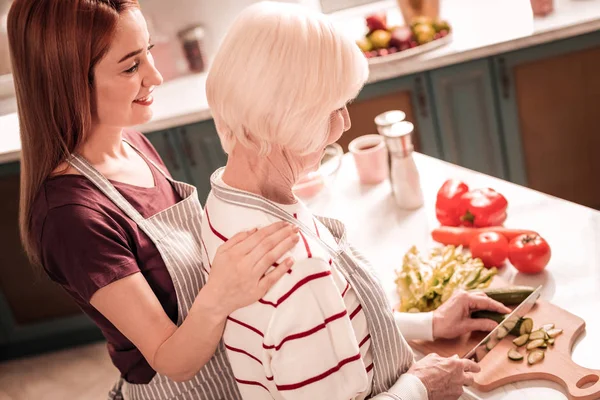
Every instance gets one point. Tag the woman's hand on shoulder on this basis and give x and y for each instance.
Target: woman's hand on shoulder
(240, 272)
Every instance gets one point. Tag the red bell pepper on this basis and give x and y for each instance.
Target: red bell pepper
(448, 202)
(482, 207)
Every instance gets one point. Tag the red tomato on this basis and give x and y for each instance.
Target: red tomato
(529, 253)
(491, 247)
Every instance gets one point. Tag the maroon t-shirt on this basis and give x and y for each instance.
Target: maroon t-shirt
(86, 242)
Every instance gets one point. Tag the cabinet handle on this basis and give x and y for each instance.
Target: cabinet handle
(187, 148)
(421, 97)
(170, 151)
(504, 78)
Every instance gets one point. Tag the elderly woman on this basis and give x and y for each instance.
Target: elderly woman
(278, 91)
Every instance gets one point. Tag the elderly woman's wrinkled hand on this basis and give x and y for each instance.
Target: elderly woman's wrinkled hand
(453, 318)
(444, 378)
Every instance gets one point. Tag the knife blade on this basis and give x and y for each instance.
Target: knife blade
(499, 332)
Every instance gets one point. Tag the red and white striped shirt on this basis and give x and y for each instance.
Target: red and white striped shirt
(307, 338)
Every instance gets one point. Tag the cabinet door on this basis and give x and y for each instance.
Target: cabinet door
(166, 145)
(202, 153)
(549, 100)
(465, 106)
(409, 94)
(35, 314)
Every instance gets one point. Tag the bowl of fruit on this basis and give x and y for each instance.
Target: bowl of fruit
(384, 42)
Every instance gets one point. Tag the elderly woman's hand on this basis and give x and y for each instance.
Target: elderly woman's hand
(444, 378)
(453, 318)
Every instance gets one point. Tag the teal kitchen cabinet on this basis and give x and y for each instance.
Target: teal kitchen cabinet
(201, 153)
(410, 94)
(465, 106)
(35, 314)
(166, 144)
(549, 100)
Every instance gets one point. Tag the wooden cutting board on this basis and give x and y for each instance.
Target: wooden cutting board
(497, 370)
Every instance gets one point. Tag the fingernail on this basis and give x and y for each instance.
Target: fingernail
(296, 229)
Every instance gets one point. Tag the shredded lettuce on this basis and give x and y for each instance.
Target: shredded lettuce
(427, 281)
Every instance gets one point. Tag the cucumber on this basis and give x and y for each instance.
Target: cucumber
(534, 344)
(537, 335)
(547, 327)
(493, 315)
(552, 333)
(510, 295)
(522, 327)
(535, 356)
(514, 355)
(521, 340)
(525, 326)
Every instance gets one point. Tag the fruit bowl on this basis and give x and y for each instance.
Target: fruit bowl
(384, 42)
(312, 184)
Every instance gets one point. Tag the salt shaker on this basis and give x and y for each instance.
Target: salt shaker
(404, 175)
(384, 122)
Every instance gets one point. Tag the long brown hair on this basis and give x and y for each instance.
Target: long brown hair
(54, 46)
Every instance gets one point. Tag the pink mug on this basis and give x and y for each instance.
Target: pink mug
(371, 158)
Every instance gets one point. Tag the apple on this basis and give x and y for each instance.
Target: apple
(376, 22)
(424, 33)
(400, 36)
(380, 39)
(364, 44)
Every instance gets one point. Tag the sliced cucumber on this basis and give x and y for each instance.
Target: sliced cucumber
(552, 333)
(535, 357)
(534, 344)
(514, 355)
(526, 326)
(537, 335)
(521, 340)
(547, 327)
(543, 346)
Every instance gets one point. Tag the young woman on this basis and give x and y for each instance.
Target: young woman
(103, 217)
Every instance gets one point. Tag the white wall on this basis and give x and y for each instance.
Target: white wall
(214, 15)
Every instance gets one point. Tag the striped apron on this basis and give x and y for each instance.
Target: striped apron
(391, 354)
(176, 234)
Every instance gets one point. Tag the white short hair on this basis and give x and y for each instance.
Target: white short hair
(280, 72)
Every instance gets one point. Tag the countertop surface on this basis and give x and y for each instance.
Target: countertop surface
(384, 234)
(480, 29)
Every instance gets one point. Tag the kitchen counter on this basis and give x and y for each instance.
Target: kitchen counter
(480, 29)
(384, 233)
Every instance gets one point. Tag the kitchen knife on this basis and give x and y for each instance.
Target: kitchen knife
(501, 331)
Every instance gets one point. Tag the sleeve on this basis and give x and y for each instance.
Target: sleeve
(85, 250)
(408, 387)
(310, 341)
(415, 326)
